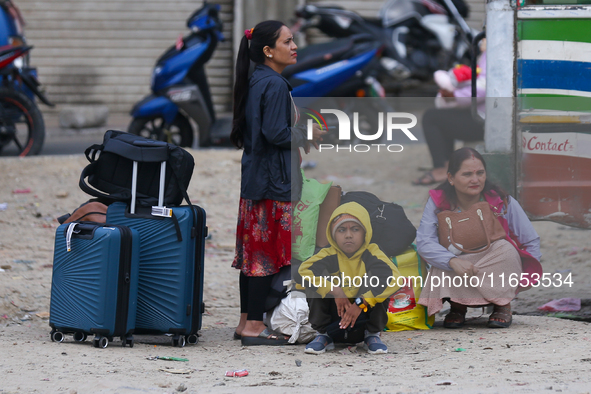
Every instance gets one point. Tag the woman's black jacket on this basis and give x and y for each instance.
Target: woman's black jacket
(271, 160)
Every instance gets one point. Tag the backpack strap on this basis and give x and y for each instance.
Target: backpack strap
(92, 150)
(187, 199)
(177, 228)
(90, 169)
(86, 172)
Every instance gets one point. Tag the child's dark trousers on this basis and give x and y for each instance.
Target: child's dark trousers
(323, 311)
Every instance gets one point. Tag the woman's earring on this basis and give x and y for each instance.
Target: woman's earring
(269, 56)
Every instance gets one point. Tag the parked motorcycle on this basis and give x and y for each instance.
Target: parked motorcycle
(22, 130)
(419, 36)
(340, 68)
(337, 71)
(180, 90)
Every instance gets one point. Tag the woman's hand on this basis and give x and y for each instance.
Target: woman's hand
(317, 134)
(462, 267)
(350, 317)
(341, 300)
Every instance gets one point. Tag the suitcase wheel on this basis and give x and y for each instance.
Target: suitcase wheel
(178, 341)
(127, 341)
(80, 336)
(192, 339)
(57, 336)
(101, 342)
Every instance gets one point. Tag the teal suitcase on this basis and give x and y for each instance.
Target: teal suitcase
(94, 283)
(171, 261)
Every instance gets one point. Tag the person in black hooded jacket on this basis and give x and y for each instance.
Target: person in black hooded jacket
(263, 128)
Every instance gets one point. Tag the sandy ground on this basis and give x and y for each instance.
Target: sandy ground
(537, 354)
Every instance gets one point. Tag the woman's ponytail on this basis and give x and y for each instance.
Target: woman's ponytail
(264, 34)
(240, 94)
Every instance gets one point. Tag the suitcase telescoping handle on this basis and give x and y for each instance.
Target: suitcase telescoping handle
(159, 210)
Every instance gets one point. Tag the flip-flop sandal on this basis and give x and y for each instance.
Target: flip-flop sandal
(425, 180)
(237, 336)
(500, 312)
(265, 338)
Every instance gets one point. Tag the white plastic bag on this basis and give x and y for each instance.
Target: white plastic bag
(290, 317)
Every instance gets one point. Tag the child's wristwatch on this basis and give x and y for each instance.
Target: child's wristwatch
(359, 302)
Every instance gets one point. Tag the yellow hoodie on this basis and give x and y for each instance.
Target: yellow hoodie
(370, 270)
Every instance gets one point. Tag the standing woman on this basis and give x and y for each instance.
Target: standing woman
(517, 253)
(262, 127)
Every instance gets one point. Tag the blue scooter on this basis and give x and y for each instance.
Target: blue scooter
(181, 92)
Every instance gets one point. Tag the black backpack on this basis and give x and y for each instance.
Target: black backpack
(392, 231)
(110, 174)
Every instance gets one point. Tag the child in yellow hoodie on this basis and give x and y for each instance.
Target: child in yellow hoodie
(349, 281)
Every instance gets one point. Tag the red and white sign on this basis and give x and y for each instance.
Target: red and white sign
(560, 144)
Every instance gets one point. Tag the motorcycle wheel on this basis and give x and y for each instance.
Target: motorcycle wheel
(22, 129)
(179, 133)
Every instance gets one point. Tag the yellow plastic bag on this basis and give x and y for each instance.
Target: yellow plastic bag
(403, 311)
